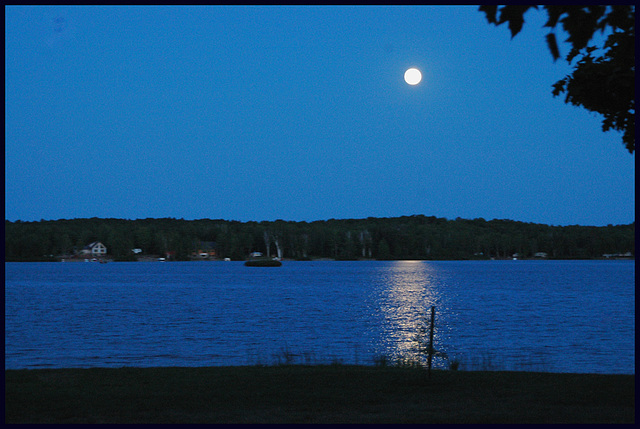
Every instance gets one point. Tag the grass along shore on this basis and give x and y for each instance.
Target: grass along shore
(313, 394)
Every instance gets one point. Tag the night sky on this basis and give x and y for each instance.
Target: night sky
(298, 113)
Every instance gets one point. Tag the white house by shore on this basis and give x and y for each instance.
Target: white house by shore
(95, 249)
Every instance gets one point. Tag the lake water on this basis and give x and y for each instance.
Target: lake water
(555, 316)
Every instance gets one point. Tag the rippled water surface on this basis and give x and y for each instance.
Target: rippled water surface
(557, 316)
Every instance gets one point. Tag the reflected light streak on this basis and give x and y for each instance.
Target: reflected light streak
(411, 288)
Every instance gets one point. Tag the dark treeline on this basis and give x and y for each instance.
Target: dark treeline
(407, 237)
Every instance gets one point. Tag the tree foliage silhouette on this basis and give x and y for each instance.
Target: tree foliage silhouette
(406, 237)
(603, 79)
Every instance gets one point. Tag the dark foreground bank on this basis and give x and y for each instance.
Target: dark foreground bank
(313, 394)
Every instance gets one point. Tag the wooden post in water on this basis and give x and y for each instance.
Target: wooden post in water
(430, 350)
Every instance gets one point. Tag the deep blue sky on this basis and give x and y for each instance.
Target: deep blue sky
(297, 113)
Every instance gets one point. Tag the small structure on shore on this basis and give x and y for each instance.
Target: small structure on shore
(95, 249)
(256, 259)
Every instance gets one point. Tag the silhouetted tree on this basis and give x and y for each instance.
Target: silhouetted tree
(603, 79)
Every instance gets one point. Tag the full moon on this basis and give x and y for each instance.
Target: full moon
(412, 76)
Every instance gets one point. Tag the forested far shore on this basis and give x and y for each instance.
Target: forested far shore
(407, 237)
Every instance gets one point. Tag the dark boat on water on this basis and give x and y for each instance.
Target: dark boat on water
(263, 263)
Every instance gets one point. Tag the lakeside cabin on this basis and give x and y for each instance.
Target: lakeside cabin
(94, 249)
(204, 250)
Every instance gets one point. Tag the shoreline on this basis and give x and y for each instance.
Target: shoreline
(314, 394)
(155, 259)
